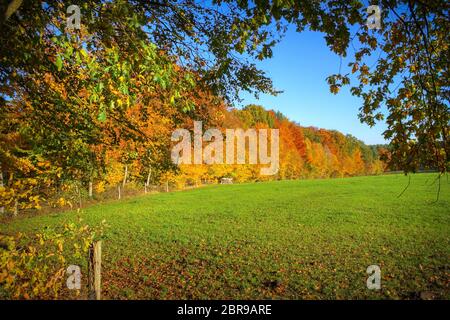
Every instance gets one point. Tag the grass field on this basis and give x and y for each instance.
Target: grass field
(310, 239)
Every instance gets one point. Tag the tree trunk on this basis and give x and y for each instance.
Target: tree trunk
(125, 176)
(167, 185)
(16, 208)
(148, 179)
(118, 188)
(79, 197)
(90, 189)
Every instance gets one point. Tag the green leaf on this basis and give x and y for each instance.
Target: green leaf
(69, 52)
(58, 63)
(102, 115)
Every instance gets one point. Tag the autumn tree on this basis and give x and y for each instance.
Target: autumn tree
(410, 77)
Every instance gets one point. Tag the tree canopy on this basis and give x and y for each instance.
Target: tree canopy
(218, 42)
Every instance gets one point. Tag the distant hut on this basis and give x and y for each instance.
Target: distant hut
(226, 181)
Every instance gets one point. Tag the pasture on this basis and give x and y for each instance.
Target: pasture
(307, 239)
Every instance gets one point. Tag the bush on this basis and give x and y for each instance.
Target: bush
(34, 267)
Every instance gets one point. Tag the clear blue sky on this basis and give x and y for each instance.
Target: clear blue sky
(300, 65)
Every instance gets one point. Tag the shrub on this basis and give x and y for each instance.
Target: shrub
(34, 267)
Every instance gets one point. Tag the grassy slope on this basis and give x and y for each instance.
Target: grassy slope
(285, 239)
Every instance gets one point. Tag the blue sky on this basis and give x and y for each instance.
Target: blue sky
(300, 65)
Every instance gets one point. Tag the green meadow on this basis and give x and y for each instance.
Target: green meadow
(308, 239)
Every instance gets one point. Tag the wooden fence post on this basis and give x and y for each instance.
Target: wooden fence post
(90, 189)
(95, 268)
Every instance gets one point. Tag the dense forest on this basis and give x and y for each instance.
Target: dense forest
(50, 163)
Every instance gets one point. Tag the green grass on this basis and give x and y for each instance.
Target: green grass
(310, 239)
